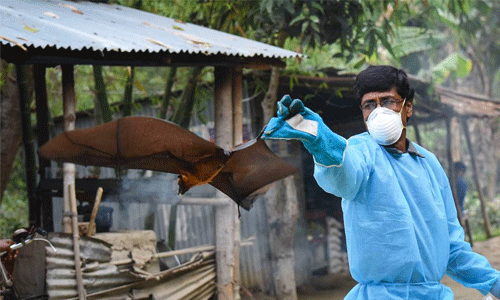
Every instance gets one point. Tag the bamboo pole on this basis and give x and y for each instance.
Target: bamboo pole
(29, 148)
(197, 249)
(102, 108)
(224, 215)
(168, 92)
(245, 243)
(237, 139)
(43, 135)
(95, 209)
(486, 219)
(451, 171)
(69, 107)
(222, 201)
(417, 134)
(76, 242)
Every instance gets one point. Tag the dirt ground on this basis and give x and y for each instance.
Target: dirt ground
(336, 287)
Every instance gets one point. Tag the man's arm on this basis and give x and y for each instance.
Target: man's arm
(346, 179)
(337, 170)
(465, 266)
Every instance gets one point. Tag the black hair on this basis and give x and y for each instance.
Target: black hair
(381, 79)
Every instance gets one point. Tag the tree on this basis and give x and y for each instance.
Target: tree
(314, 23)
(477, 34)
(472, 27)
(11, 136)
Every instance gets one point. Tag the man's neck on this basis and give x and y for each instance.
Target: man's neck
(401, 143)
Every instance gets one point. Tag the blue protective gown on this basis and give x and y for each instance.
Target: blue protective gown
(401, 224)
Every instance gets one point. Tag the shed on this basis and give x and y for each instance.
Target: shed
(47, 33)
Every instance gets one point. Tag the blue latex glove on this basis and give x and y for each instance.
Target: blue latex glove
(495, 289)
(297, 122)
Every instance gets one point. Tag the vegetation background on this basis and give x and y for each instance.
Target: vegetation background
(453, 43)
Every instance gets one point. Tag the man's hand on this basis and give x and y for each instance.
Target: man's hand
(297, 122)
(5, 245)
(294, 122)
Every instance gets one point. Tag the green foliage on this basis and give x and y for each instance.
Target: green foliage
(476, 26)
(455, 65)
(411, 39)
(14, 208)
(228, 16)
(349, 24)
(432, 136)
(148, 81)
(473, 207)
(317, 59)
(4, 72)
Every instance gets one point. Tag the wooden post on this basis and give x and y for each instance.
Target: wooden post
(237, 106)
(237, 139)
(91, 229)
(451, 170)
(486, 219)
(456, 149)
(42, 130)
(282, 214)
(69, 107)
(29, 148)
(224, 215)
(417, 134)
(76, 242)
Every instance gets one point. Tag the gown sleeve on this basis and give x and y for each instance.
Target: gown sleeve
(344, 180)
(464, 266)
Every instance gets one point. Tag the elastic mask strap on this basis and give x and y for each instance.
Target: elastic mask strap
(401, 110)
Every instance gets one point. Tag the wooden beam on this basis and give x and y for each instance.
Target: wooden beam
(42, 132)
(486, 219)
(69, 107)
(224, 215)
(451, 171)
(76, 242)
(236, 97)
(224, 201)
(29, 148)
(237, 139)
(51, 56)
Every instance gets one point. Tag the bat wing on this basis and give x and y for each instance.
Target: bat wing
(154, 144)
(250, 167)
(134, 143)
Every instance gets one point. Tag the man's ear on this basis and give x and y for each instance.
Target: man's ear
(409, 108)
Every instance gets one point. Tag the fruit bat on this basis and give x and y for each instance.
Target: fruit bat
(154, 144)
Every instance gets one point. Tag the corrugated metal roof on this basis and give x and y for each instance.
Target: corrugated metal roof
(107, 278)
(104, 27)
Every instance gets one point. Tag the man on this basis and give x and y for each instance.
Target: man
(401, 223)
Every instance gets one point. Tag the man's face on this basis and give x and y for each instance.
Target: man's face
(390, 99)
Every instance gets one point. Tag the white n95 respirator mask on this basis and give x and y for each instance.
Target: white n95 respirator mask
(385, 125)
